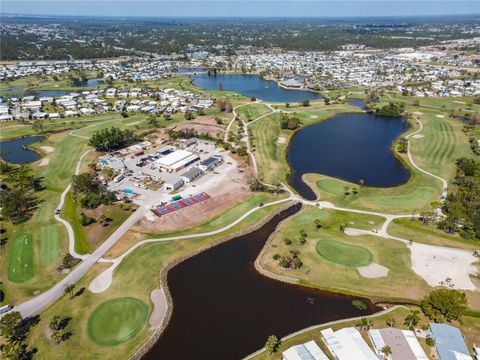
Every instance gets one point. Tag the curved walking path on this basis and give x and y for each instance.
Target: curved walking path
(330, 323)
(410, 158)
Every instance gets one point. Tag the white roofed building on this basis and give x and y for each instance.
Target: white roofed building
(177, 160)
(403, 343)
(347, 344)
(308, 351)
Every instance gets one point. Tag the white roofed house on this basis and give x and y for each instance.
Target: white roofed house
(308, 351)
(87, 111)
(71, 113)
(347, 344)
(403, 344)
(32, 106)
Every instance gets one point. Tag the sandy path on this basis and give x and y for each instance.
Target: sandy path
(160, 306)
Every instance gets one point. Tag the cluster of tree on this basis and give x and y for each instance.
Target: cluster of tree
(68, 262)
(402, 145)
(350, 191)
(57, 325)
(290, 261)
(393, 109)
(257, 186)
(289, 122)
(19, 187)
(223, 106)
(444, 305)
(77, 80)
(14, 330)
(112, 139)
(359, 304)
(462, 205)
(92, 191)
(468, 129)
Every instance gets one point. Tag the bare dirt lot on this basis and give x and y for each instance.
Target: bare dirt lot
(204, 127)
(225, 188)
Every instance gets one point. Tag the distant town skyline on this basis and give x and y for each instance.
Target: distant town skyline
(236, 8)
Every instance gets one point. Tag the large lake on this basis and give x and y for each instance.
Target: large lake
(253, 85)
(349, 147)
(16, 151)
(224, 309)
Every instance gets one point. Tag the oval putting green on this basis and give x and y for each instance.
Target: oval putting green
(117, 320)
(344, 254)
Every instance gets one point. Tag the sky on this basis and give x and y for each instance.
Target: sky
(241, 8)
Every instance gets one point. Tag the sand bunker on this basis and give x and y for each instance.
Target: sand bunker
(373, 271)
(440, 116)
(44, 162)
(459, 102)
(418, 136)
(160, 305)
(47, 149)
(439, 265)
(281, 140)
(313, 117)
(418, 113)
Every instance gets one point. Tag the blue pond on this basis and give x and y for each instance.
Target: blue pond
(253, 85)
(349, 147)
(15, 151)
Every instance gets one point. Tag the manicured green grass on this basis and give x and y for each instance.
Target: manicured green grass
(20, 260)
(344, 254)
(48, 246)
(117, 320)
(69, 213)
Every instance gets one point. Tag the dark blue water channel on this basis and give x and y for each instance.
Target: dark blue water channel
(16, 151)
(349, 147)
(253, 85)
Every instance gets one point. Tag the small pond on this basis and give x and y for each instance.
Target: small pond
(349, 147)
(17, 152)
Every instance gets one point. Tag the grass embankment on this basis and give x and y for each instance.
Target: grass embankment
(228, 216)
(136, 277)
(470, 329)
(442, 143)
(319, 272)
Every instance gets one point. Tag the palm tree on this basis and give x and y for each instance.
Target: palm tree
(386, 351)
(69, 290)
(391, 322)
(412, 319)
(365, 324)
(361, 182)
